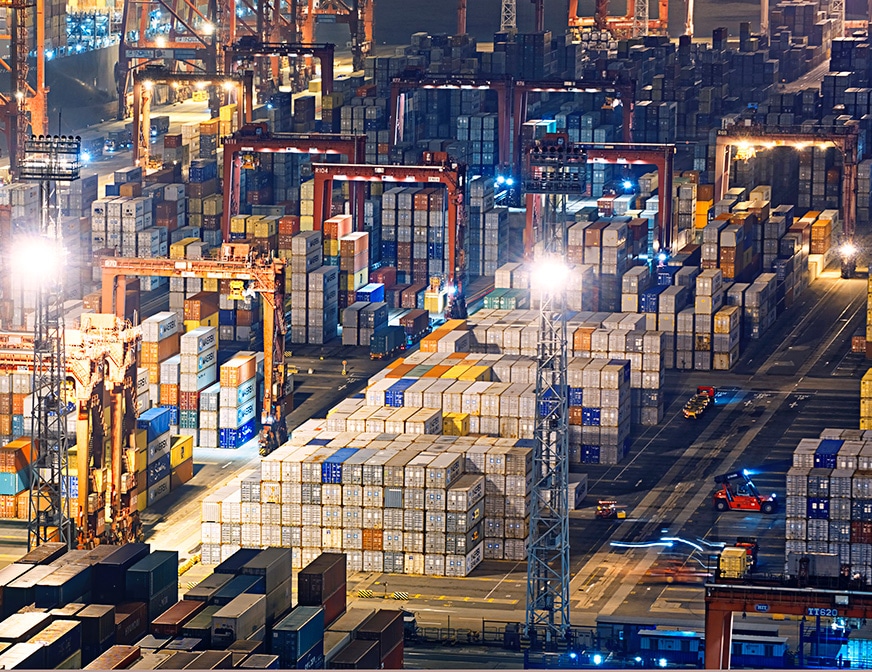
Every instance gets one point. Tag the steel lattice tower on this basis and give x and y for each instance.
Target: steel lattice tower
(640, 18)
(548, 569)
(508, 17)
(48, 159)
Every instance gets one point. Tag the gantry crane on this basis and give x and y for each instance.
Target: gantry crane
(747, 140)
(542, 159)
(451, 175)
(253, 139)
(357, 14)
(635, 23)
(253, 272)
(99, 380)
(146, 78)
(247, 49)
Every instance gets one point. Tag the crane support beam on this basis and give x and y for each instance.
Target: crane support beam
(247, 50)
(756, 137)
(723, 600)
(256, 139)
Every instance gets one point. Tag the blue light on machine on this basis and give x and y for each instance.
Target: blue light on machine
(597, 659)
(573, 655)
(86, 157)
(638, 659)
(269, 106)
(662, 257)
(79, 47)
(628, 185)
(662, 662)
(508, 181)
(49, 54)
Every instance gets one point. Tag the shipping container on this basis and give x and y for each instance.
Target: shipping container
(239, 619)
(297, 634)
(171, 622)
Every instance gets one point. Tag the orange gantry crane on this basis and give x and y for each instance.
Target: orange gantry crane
(254, 139)
(250, 271)
(25, 109)
(747, 140)
(101, 388)
(620, 26)
(145, 78)
(450, 175)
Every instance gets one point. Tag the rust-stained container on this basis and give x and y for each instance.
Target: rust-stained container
(117, 657)
(201, 305)
(170, 623)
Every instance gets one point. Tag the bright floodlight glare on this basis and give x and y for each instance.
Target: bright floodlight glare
(550, 275)
(628, 184)
(208, 28)
(37, 260)
(229, 85)
(500, 179)
(661, 257)
(597, 659)
(662, 662)
(510, 181)
(161, 42)
(848, 250)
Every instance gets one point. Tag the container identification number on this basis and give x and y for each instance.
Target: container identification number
(817, 611)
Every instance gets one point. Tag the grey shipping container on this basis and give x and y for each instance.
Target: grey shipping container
(206, 589)
(274, 564)
(110, 572)
(152, 574)
(239, 619)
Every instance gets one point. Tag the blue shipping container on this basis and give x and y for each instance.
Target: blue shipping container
(12, 484)
(227, 318)
(331, 468)
(590, 417)
(158, 469)
(576, 396)
(297, 634)
(650, 299)
(395, 394)
(173, 414)
(155, 421)
(825, 455)
(818, 508)
(666, 275)
(590, 454)
(374, 292)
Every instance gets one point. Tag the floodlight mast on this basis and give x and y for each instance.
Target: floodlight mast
(48, 159)
(548, 570)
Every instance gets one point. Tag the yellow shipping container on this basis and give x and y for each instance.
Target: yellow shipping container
(455, 424)
(702, 207)
(455, 372)
(210, 284)
(434, 302)
(866, 385)
(865, 423)
(314, 86)
(177, 250)
(727, 320)
(141, 461)
(476, 373)
(141, 501)
(701, 221)
(227, 112)
(355, 280)
(141, 438)
(866, 408)
(265, 227)
(733, 563)
(182, 449)
(213, 205)
(237, 223)
(430, 343)
(331, 248)
(251, 224)
(452, 325)
(208, 321)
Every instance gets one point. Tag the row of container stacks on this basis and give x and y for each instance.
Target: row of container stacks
(396, 503)
(829, 501)
(495, 395)
(117, 608)
(503, 339)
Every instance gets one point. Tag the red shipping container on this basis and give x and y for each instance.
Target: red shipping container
(334, 606)
(387, 276)
(167, 209)
(131, 622)
(244, 318)
(173, 141)
(189, 401)
(169, 623)
(354, 244)
(575, 415)
(373, 540)
(201, 305)
(289, 225)
(394, 660)
(337, 227)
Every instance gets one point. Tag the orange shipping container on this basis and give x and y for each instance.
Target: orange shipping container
(182, 473)
(169, 395)
(373, 540)
(8, 506)
(5, 424)
(238, 370)
(5, 404)
(15, 455)
(153, 353)
(581, 338)
(437, 371)
(354, 244)
(337, 227)
(18, 403)
(289, 225)
(201, 305)
(400, 371)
